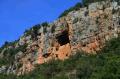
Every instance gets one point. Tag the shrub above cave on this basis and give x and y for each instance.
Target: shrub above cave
(34, 30)
(76, 7)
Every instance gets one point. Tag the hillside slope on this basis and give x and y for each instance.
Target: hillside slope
(86, 29)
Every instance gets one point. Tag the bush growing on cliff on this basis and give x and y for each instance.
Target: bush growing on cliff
(84, 3)
(6, 44)
(76, 7)
(34, 30)
(87, 2)
(45, 25)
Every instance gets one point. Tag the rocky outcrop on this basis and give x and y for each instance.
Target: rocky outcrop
(86, 30)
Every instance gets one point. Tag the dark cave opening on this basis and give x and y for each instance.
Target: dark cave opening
(46, 55)
(63, 38)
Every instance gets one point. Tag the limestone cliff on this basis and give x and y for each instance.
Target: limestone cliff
(86, 29)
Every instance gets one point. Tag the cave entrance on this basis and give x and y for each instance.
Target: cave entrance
(63, 38)
(46, 55)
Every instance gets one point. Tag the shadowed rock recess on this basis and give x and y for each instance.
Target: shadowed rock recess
(86, 29)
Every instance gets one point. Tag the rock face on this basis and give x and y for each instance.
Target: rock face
(86, 30)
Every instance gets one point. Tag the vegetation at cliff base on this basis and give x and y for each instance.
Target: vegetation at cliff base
(104, 65)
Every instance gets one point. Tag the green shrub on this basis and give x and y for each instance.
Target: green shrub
(33, 31)
(53, 29)
(45, 25)
(76, 7)
(87, 2)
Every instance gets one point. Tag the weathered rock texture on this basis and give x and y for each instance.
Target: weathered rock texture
(86, 30)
